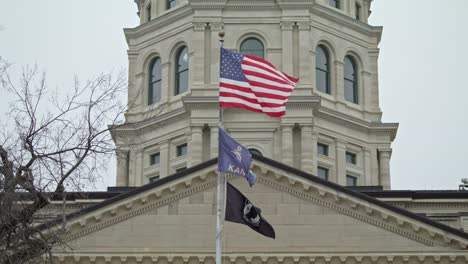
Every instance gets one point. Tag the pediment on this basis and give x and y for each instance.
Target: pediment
(309, 215)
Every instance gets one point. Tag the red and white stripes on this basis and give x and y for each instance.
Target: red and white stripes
(266, 89)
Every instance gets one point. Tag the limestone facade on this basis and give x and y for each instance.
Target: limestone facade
(290, 31)
(173, 221)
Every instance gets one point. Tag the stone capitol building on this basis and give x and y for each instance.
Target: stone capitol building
(323, 169)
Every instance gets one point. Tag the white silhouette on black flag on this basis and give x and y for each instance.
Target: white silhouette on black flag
(240, 210)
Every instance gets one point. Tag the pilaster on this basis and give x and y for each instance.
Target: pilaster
(195, 146)
(339, 77)
(367, 166)
(215, 28)
(287, 144)
(307, 155)
(214, 141)
(164, 159)
(287, 40)
(340, 162)
(306, 71)
(198, 43)
(165, 75)
(122, 167)
(384, 167)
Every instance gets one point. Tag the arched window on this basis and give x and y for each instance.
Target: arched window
(252, 46)
(181, 71)
(350, 80)
(154, 84)
(322, 70)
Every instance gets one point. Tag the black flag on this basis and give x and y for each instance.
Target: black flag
(240, 210)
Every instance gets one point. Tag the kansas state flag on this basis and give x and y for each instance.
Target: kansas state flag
(234, 158)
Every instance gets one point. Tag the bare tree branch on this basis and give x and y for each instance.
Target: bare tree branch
(54, 142)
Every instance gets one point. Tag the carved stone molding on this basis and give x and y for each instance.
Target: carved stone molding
(303, 25)
(287, 25)
(199, 26)
(276, 179)
(280, 258)
(138, 206)
(216, 26)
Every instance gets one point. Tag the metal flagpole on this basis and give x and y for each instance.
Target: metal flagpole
(219, 223)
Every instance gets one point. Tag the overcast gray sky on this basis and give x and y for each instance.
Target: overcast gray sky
(422, 69)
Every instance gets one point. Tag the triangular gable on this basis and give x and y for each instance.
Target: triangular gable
(359, 219)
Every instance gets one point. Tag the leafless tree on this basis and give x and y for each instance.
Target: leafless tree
(51, 141)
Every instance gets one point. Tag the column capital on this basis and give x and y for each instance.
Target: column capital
(303, 25)
(287, 25)
(199, 26)
(216, 26)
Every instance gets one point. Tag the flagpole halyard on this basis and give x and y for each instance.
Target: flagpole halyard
(219, 223)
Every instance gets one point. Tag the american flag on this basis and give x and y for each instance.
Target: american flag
(254, 84)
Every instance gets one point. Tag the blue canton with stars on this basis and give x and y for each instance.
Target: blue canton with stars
(231, 65)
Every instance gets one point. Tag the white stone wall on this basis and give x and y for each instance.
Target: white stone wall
(290, 32)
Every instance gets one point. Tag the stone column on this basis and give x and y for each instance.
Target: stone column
(373, 79)
(215, 27)
(314, 151)
(374, 166)
(198, 43)
(166, 89)
(122, 167)
(307, 143)
(364, 91)
(214, 141)
(195, 146)
(384, 167)
(306, 64)
(287, 47)
(339, 76)
(287, 144)
(367, 167)
(164, 159)
(138, 176)
(340, 162)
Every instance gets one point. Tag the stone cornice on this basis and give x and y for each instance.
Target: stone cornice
(347, 21)
(204, 179)
(158, 22)
(292, 258)
(157, 119)
(360, 124)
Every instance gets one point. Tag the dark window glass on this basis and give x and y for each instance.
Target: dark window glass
(154, 158)
(350, 80)
(155, 178)
(351, 180)
(350, 158)
(148, 12)
(182, 71)
(335, 3)
(180, 169)
(322, 70)
(154, 85)
(358, 12)
(170, 4)
(322, 173)
(181, 150)
(255, 151)
(253, 47)
(322, 149)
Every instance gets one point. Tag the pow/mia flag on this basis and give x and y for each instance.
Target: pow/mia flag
(240, 210)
